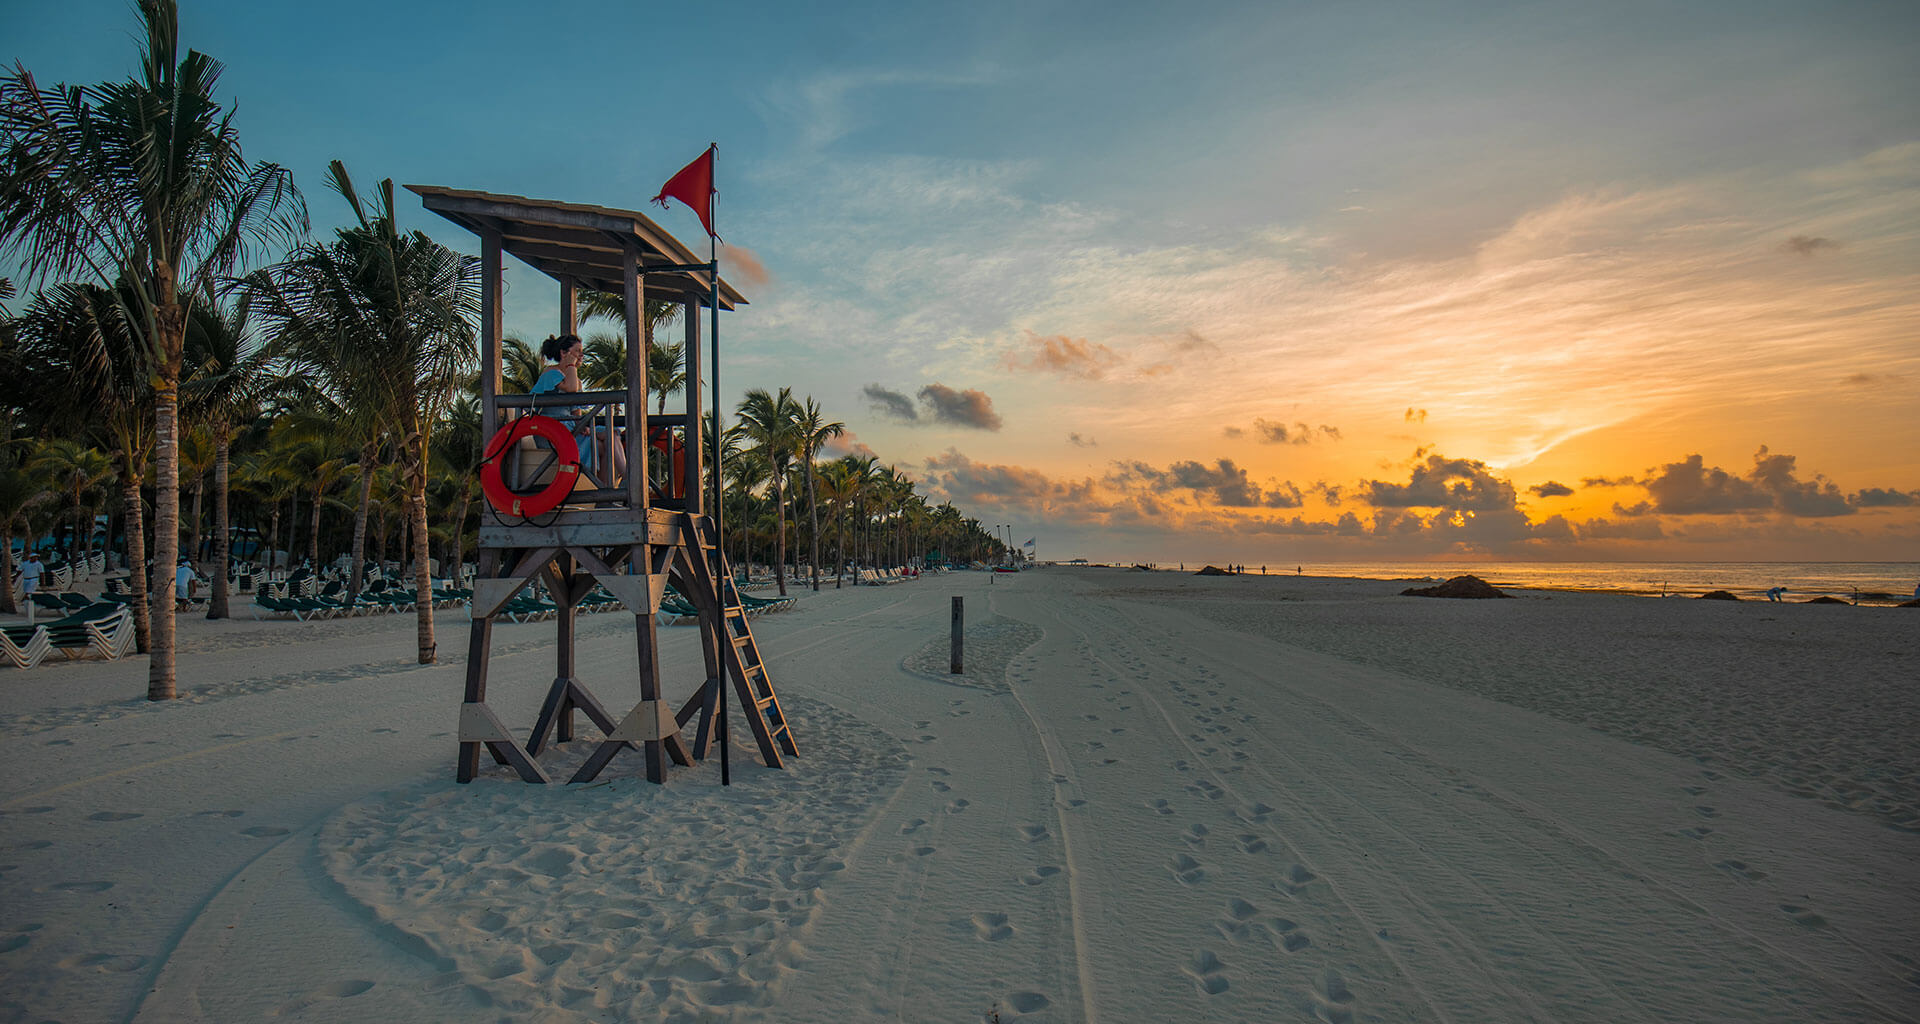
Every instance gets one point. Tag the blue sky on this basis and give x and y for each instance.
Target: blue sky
(1546, 243)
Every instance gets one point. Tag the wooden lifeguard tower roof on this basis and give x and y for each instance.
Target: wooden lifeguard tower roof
(574, 241)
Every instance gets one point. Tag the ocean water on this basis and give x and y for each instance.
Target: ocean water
(1876, 582)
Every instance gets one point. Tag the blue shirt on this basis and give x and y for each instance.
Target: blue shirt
(548, 383)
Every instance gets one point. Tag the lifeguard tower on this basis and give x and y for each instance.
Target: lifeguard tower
(577, 528)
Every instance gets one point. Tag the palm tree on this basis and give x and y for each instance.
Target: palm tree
(77, 472)
(92, 376)
(457, 443)
(666, 370)
(21, 490)
(839, 482)
(387, 318)
(141, 182)
(814, 432)
(769, 423)
(603, 366)
(520, 367)
(196, 465)
(228, 380)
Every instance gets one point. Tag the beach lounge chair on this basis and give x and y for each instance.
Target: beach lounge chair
(103, 628)
(275, 607)
(24, 646)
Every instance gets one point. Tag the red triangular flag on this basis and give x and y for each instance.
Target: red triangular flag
(693, 185)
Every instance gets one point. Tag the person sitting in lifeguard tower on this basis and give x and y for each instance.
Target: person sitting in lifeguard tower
(565, 352)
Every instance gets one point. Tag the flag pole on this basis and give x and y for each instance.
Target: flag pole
(719, 518)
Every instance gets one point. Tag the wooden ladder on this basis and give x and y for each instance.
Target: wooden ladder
(738, 653)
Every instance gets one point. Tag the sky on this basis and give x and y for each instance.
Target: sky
(1267, 283)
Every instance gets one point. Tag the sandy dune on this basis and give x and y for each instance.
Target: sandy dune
(1151, 797)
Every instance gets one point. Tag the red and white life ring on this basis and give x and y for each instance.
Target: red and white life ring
(503, 446)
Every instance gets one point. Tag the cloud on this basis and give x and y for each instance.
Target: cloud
(1630, 529)
(1689, 487)
(1057, 353)
(1551, 489)
(1811, 498)
(1223, 483)
(1808, 245)
(743, 263)
(1440, 482)
(1194, 341)
(848, 443)
(1279, 433)
(1232, 431)
(891, 403)
(961, 408)
(1871, 380)
(1081, 442)
(1609, 481)
(1876, 497)
(1416, 415)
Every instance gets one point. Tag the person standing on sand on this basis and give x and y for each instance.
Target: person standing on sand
(32, 570)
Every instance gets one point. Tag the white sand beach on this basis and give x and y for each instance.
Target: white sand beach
(1151, 797)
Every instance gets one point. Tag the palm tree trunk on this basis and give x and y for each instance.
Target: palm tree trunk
(166, 506)
(813, 516)
(356, 570)
(460, 534)
(136, 529)
(222, 539)
(313, 531)
(422, 559)
(779, 533)
(273, 533)
(199, 505)
(7, 604)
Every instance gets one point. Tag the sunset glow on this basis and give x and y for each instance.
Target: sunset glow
(1291, 283)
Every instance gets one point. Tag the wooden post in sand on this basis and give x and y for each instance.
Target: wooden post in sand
(959, 636)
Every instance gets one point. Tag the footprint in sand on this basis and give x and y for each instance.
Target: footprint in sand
(1161, 806)
(958, 805)
(1739, 869)
(991, 927)
(1034, 833)
(941, 787)
(81, 886)
(59, 743)
(1208, 972)
(1288, 935)
(1706, 812)
(1040, 874)
(1250, 843)
(263, 831)
(223, 814)
(1295, 879)
(1186, 870)
(107, 963)
(1332, 1001)
(1027, 1002)
(346, 989)
(1802, 916)
(1196, 835)
(113, 816)
(912, 826)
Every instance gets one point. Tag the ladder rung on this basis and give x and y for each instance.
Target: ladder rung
(761, 702)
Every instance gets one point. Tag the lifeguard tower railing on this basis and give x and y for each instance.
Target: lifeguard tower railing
(624, 253)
